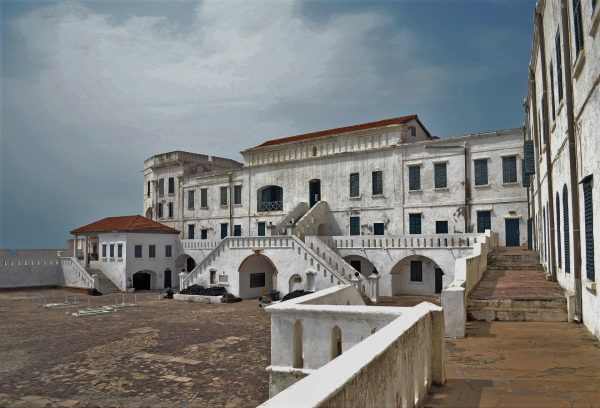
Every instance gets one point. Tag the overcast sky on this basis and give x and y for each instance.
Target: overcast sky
(91, 89)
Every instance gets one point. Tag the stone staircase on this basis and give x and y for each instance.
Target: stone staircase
(106, 285)
(514, 288)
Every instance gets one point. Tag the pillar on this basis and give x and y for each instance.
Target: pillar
(374, 283)
(75, 246)
(182, 276)
(85, 252)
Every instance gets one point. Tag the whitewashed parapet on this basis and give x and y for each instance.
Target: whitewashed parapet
(395, 366)
(18, 272)
(198, 244)
(75, 275)
(467, 274)
(403, 241)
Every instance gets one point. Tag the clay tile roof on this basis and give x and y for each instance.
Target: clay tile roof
(127, 223)
(363, 126)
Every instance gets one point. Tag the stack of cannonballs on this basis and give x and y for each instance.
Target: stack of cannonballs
(295, 294)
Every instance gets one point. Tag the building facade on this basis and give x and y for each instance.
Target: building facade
(386, 179)
(562, 108)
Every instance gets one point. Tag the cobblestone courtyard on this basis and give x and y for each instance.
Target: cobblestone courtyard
(160, 353)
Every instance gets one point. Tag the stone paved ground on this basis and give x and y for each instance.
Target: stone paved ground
(521, 364)
(160, 353)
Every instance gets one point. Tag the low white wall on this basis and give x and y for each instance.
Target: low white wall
(393, 367)
(467, 274)
(18, 272)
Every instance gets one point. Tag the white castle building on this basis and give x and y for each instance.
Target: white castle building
(309, 211)
(562, 121)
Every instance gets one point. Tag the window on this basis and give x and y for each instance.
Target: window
(160, 210)
(224, 228)
(119, 251)
(414, 177)
(567, 235)
(414, 223)
(257, 280)
(441, 227)
(354, 225)
(171, 185)
(138, 251)
(481, 172)
(440, 176)
(103, 250)
(552, 92)
(314, 150)
(237, 195)
(151, 251)
(170, 207)
(112, 250)
(168, 251)
(413, 131)
(191, 199)
(270, 198)
(577, 27)
(559, 74)
(203, 198)
(191, 231)
(378, 228)
(558, 242)
(148, 190)
(354, 185)
(161, 187)
(261, 229)
(588, 218)
(203, 233)
(223, 196)
(416, 271)
(356, 265)
(484, 221)
(509, 169)
(237, 230)
(377, 182)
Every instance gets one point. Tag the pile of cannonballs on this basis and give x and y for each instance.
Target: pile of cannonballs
(295, 294)
(202, 291)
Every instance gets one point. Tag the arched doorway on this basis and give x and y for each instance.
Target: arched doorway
(142, 280)
(149, 213)
(185, 262)
(256, 276)
(361, 264)
(323, 230)
(417, 275)
(314, 191)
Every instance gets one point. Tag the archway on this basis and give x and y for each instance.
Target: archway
(417, 275)
(256, 276)
(269, 198)
(149, 213)
(296, 283)
(314, 191)
(185, 262)
(361, 264)
(143, 280)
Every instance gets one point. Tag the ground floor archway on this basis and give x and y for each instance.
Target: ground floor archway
(417, 275)
(143, 280)
(257, 276)
(361, 264)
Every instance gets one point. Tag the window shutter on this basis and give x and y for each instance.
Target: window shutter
(414, 178)
(589, 231)
(377, 180)
(529, 154)
(414, 223)
(354, 185)
(481, 174)
(567, 236)
(558, 240)
(440, 175)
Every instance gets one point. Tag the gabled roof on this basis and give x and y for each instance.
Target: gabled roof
(126, 223)
(401, 120)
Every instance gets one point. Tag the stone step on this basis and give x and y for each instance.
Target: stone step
(518, 310)
(106, 285)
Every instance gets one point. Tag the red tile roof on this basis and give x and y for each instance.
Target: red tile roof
(126, 223)
(363, 126)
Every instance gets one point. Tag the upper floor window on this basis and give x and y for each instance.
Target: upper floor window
(441, 227)
(314, 150)
(151, 251)
(237, 230)
(440, 177)
(481, 172)
(138, 251)
(588, 218)
(377, 182)
(168, 251)
(224, 228)
(577, 27)
(203, 198)
(414, 223)
(191, 230)
(559, 74)
(261, 229)
(354, 185)
(171, 185)
(203, 233)
(552, 92)
(237, 195)
(103, 250)
(414, 177)
(509, 169)
(413, 130)
(270, 198)
(191, 199)
(223, 196)
(484, 221)
(160, 210)
(119, 251)
(170, 206)
(148, 190)
(161, 187)
(416, 271)
(112, 250)
(354, 225)
(378, 228)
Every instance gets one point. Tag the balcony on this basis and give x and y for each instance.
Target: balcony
(271, 206)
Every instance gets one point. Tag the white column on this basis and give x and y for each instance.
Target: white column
(374, 281)
(75, 246)
(85, 251)
(182, 276)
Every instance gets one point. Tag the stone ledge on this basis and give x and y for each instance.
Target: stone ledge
(198, 298)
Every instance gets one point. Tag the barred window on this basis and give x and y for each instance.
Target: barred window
(223, 196)
(481, 172)
(237, 195)
(203, 198)
(414, 177)
(577, 27)
(509, 169)
(354, 225)
(191, 199)
(354, 185)
(414, 223)
(377, 182)
(440, 175)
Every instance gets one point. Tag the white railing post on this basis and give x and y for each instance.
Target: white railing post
(182, 276)
(374, 282)
(453, 303)
(96, 284)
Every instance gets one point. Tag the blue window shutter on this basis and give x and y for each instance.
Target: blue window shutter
(414, 223)
(354, 225)
(440, 176)
(481, 173)
(484, 221)
(567, 236)
(558, 240)
(354, 185)
(589, 231)
(414, 178)
(529, 155)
